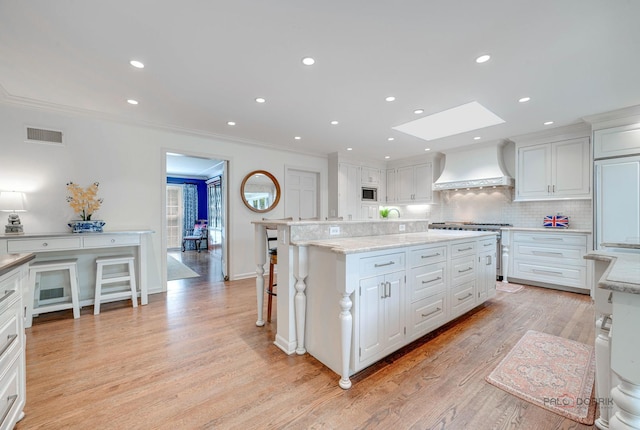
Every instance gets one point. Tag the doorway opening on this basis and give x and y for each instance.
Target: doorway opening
(195, 214)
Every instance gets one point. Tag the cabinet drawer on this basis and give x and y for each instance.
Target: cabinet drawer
(423, 256)
(44, 244)
(551, 239)
(101, 241)
(426, 315)
(11, 396)
(387, 263)
(561, 275)
(460, 249)
(9, 292)
(427, 280)
(463, 267)
(463, 297)
(10, 338)
(550, 254)
(487, 245)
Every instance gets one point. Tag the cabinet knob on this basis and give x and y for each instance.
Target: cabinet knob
(113, 241)
(45, 244)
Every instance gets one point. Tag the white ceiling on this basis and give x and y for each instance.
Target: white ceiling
(207, 61)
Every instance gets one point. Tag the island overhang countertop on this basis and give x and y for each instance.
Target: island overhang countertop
(352, 245)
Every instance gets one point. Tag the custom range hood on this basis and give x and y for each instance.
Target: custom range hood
(475, 167)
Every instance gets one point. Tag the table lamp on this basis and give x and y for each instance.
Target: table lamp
(13, 202)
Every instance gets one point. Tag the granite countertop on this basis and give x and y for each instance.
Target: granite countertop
(9, 262)
(623, 273)
(336, 222)
(70, 234)
(548, 229)
(352, 245)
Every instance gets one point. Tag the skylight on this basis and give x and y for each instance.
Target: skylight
(467, 117)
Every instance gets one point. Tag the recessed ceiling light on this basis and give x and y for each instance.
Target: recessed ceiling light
(334, 122)
(483, 58)
(427, 149)
(231, 123)
(524, 99)
(476, 138)
(137, 64)
(132, 102)
(308, 61)
(418, 111)
(260, 100)
(390, 98)
(460, 119)
(297, 138)
(387, 157)
(391, 138)
(548, 123)
(349, 149)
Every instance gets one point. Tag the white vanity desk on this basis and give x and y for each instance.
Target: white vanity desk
(85, 247)
(617, 299)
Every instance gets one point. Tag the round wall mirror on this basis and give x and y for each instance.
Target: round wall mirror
(260, 191)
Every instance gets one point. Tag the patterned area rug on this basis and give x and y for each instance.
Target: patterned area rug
(554, 373)
(508, 288)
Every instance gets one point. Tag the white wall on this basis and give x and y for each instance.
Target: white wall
(128, 162)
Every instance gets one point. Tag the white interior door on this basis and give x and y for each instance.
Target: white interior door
(301, 194)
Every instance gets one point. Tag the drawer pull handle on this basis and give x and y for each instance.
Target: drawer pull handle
(465, 297)
(7, 294)
(546, 253)
(551, 272)
(610, 299)
(431, 313)
(465, 270)
(430, 255)
(113, 241)
(465, 249)
(10, 339)
(488, 244)
(10, 401)
(384, 264)
(45, 244)
(548, 239)
(431, 280)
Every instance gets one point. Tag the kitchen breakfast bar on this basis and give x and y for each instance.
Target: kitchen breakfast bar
(352, 292)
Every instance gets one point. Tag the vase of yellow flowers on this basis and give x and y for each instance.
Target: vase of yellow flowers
(85, 203)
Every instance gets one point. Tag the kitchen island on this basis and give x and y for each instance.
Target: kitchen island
(359, 298)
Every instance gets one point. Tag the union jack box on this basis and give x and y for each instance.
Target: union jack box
(556, 221)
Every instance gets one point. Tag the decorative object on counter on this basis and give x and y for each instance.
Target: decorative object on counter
(552, 372)
(12, 202)
(85, 203)
(556, 221)
(384, 213)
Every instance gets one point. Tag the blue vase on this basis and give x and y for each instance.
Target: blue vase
(80, 226)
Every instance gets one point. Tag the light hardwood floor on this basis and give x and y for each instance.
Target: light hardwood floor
(194, 359)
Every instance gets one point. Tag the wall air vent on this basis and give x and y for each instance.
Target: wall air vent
(47, 137)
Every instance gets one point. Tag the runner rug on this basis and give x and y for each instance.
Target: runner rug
(508, 288)
(554, 373)
(177, 270)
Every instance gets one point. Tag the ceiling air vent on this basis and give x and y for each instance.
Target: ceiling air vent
(39, 135)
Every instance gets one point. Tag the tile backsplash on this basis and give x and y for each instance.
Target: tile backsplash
(497, 205)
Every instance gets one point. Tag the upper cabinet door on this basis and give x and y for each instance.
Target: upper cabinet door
(571, 161)
(424, 183)
(617, 141)
(533, 179)
(370, 176)
(405, 184)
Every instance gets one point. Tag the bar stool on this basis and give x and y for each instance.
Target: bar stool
(273, 260)
(50, 298)
(109, 271)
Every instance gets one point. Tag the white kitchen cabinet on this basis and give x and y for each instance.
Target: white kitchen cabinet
(413, 184)
(462, 294)
(370, 175)
(391, 186)
(486, 269)
(381, 312)
(616, 141)
(549, 259)
(348, 191)
(12, 346)
(555, 170)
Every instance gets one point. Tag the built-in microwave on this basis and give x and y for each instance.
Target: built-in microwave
(369, 194)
